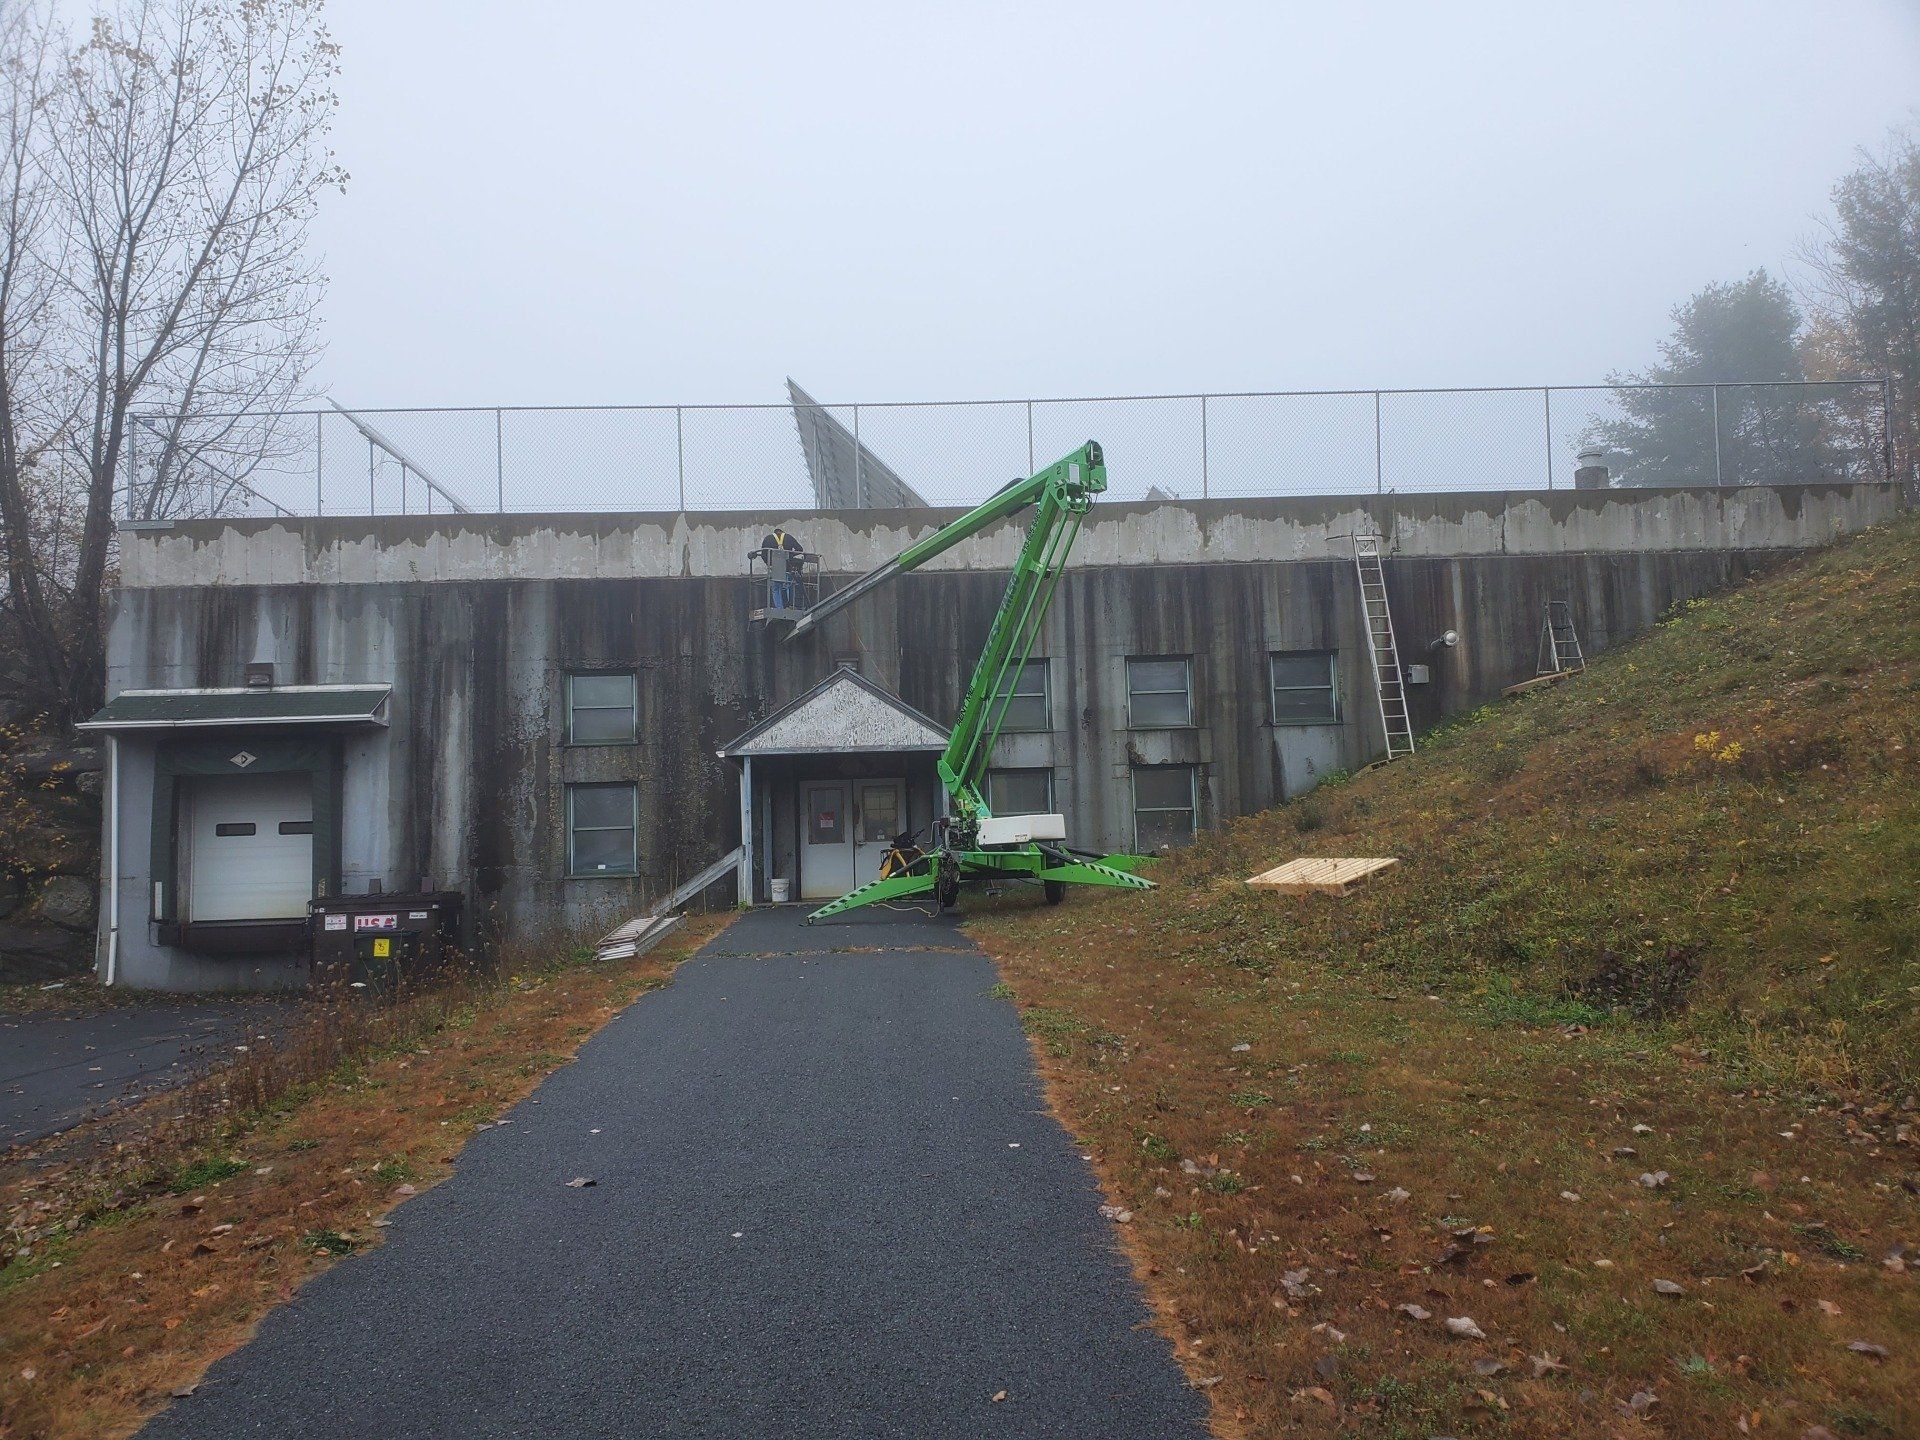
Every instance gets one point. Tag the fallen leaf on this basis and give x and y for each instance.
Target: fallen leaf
(998, 1396)
(581, 1182)
(1546, 1365)
(1868, 1348)
(1414, 1312)
(1463, 1326)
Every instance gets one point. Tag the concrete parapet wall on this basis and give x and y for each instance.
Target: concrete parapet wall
(453, 548)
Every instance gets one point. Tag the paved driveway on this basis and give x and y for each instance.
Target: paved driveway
(55, 1069)
(828, 1203)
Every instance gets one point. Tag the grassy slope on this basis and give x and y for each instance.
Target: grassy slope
(1676, 892)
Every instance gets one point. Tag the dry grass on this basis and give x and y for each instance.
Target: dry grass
(145, 1261)
(1677, 894)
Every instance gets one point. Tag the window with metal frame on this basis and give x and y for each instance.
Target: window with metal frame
(602, 827)
(1020, 791)
(1165, 806)
(1304, 687)
(1029, 696)
(1159, 691)
(602, 709)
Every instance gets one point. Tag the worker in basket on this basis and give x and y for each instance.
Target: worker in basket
(780, 550)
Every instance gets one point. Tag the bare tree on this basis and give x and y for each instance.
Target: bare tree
(176, 161)
(30, 393)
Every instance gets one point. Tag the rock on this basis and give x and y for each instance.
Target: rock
(68, 900)
(1668, 1287)
(1655, 1179)
(1119, 1214)
(32, 950)
(1463, 1326)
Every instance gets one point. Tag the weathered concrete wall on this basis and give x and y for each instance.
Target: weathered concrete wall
(465, 789)
(395, 549)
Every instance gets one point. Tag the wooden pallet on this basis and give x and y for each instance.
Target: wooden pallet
(1539, 682)
(1320, 877)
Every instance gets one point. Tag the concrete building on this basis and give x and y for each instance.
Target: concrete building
(564, 717)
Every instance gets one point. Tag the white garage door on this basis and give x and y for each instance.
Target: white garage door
(249, 847)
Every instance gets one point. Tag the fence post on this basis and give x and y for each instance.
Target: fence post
(1546, 392)
(1203, 448)
(372, 504)
(1717, 477)
(319, 463)
(1886, 425)
(1030, 437)
(499, 462)
(859, 500)
(1379, 475)
(680, 451)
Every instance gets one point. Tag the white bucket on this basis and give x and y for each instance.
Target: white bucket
(779, 887)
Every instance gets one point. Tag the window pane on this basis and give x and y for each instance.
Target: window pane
(1303, 705)
(1027, 710)
(1151, 710)
(1163, 787)
(603, 850)
(598, 806)
(600, 709)
(1020, 792)
(1160, 828)
(826, 823)
(602, 690)
(879, 813)
(1144, 675)
(601, 727)
(1311, 668)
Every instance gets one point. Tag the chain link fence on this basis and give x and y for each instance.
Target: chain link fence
(1185, 447)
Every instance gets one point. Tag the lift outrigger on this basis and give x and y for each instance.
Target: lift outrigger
(970, 841)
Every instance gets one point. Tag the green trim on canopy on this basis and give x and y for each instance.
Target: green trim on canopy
(332, 705)
(317, 755)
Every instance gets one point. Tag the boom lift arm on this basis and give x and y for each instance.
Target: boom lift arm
(969, 841)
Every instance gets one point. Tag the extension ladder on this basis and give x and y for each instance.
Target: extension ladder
(1560, 652)
(1389, 683)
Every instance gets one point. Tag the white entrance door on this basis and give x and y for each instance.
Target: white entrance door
(879, 814)
(826, 840)
(249, 847)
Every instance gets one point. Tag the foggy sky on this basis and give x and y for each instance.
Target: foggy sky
(611, 202)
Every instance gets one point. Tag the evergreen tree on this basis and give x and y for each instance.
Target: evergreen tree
(1748, 330)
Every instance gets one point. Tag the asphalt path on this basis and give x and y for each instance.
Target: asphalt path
(827, 1201)
(56, 1068)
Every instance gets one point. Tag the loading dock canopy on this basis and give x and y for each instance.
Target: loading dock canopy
(337, 707)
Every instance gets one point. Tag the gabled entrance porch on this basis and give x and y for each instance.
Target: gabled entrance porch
(827, 782)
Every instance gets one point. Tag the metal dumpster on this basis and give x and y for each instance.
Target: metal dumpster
(382, 941)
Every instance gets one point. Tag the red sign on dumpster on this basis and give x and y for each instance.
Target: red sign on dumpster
(376, 922)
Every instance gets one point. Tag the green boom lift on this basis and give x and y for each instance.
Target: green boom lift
(970, 841)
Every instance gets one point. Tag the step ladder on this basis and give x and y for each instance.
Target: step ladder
(1389, 684)
(1560, 652)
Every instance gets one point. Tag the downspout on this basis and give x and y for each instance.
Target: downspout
(113, 856)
